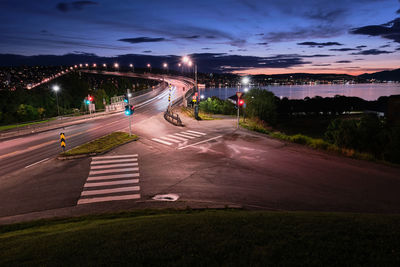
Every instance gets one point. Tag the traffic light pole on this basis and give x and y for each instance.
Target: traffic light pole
(129, 103)
(238, 113)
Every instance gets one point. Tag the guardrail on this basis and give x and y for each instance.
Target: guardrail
(172, 118)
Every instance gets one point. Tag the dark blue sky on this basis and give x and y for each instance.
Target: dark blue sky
(347, 36)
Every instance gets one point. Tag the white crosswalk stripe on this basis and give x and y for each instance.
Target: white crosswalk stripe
(179, 138)
(112, 178)
(113, 161)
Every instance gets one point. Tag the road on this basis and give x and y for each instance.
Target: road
(24, 152)
(205, 164)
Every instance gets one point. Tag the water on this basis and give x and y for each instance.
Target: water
(364, 91)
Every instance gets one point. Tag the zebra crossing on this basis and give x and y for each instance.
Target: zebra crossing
(111, 178)
(179, 138)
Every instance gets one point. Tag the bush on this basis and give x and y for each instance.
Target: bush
(217, 106)
(368, 134)
(261, 104)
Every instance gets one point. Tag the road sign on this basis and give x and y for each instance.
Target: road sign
(239, 94)
(62, 141)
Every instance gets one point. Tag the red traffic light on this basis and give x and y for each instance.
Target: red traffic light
(241, 102)
(90, 98)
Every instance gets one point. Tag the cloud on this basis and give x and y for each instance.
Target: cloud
(361, 46)
(263, 43)
(398, 11)
(77, 5)
(206, 48)
(326, 15)
(147, 51)
(321, 65)
(343, 61)
(343, 49)
(317, 55)
(320, 31)
(138, 40)
(372, 52)
(191, 37)
(390, 30)
(313, 44)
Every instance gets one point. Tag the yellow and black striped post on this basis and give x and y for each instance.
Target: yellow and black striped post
(62, 141)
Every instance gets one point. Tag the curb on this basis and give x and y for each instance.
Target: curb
(93, 154)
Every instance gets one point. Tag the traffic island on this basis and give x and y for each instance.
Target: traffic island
(99, 146)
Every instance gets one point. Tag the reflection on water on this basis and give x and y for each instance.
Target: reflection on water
(365, 91)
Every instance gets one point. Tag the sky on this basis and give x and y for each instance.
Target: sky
(242, 36)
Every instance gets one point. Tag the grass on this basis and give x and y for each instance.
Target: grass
(203, 116)
(316, 143)
(12, 126)
(205, 238)
(101, 145)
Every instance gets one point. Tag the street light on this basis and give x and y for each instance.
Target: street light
(116, 65)
(94, 65)
(104, 65)
(189, 62)
(149, 66)
(56, 88)
(245, 80)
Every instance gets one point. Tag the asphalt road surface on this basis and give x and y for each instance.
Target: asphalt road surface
(24, 152)
(205, 164)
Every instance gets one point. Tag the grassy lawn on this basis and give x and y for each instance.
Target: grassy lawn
(102, 144)
(12, 126)
(203, 116)
(205, 238)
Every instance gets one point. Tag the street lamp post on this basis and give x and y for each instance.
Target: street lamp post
(245, 81)
(56, 88)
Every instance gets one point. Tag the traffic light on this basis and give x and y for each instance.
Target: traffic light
(129, 110)
(241, 103)
(89, 99)
(126, 99)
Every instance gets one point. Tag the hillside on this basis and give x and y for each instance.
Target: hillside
(391, 75)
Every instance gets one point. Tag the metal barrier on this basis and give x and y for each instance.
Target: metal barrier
(172, 118)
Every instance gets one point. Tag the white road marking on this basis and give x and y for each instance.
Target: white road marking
(115, 176)
(115, 157)
(191, 134)
(170, 139)
(104, 199)
(113, 170)
(161, 141)
(186, 136)
(133, 181)
(110, 166)
(196, 132)
(33, 164)
(200, 142)
(109, 191)
(178, 138)
(113, 161)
